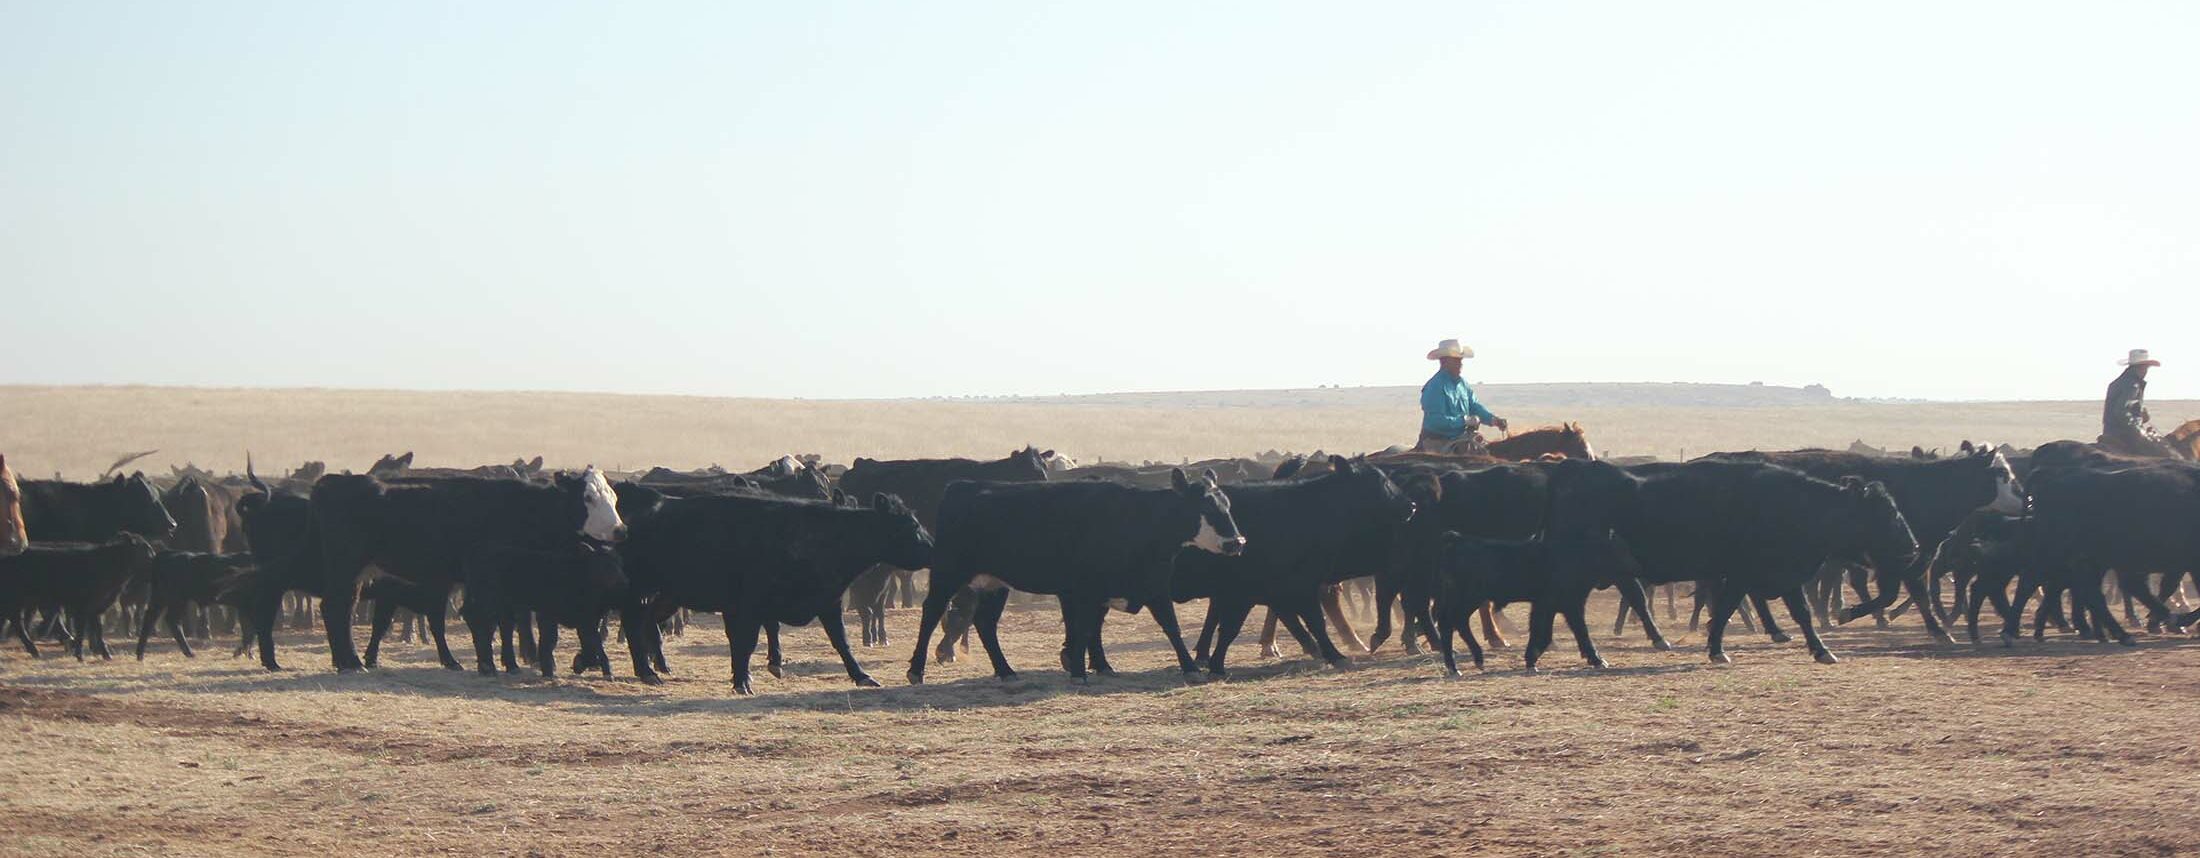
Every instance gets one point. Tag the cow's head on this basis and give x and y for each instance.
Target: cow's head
(14, 538)
(1218, 532)
(136, 504)
(1370, 482)
(2008, 491)
(599, 505)
(1030, 464)
(908, 545)
(600, 566)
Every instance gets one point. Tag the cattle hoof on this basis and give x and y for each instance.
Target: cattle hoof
(1721, 658)
(1530, 670)
(1104, 671)
(651, 679)
(1944, 637)
(1598, 663)
(1451, 673)
(1008, 676)
(1080, 679)
(1662, 645)
(2008, 640)
(1340, 664)
(1270, 652)
(2128, 640)
(1780, 637)
(774, 670)
(916, 677)
(1826, 657)
(740, 687)
(454, 666)
(865, 681)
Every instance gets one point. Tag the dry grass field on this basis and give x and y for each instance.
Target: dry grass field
(1906, 747)
(79, 430)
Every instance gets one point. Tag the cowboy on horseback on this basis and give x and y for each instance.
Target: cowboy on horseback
(2125, 424)
(1449, 412)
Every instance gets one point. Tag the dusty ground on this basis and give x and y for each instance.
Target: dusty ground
(1903, 748)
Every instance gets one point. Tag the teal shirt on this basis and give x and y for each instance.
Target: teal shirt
(1446, 402)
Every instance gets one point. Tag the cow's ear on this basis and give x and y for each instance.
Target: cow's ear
(1212, 480)
(1177, 479)
(1047, 455)
(1340, 464)
(839, 498)
(881, 502)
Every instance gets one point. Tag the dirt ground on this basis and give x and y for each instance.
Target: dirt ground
(1906, 747)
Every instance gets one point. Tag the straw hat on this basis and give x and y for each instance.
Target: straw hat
(1452, 349)
(2138, 358)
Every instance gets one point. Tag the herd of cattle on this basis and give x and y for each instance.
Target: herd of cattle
(1432, 539)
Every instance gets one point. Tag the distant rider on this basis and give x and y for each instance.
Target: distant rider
(1449, 412)
(2124, 420)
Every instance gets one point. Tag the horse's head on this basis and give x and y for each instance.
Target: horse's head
(14, 539)
(1566, 439)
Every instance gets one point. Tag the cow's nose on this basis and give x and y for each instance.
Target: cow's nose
(618, 534)
(1234, 547)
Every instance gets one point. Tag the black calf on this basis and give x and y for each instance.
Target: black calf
(572, 587)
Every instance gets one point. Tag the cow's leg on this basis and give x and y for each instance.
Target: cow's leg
(175, 630)
(935, 605)
(523, 626)
(986, 618)
(1206, 632)
(1296, 625)
(1096, 655)
(1333, 607)
(153, 613)
(775, 661)
(2012, 621)
(1227, 617)
(505, 623)
(1632, 595)
(1730, 598)
(1309, 612)
(743, 624)
(593, 640)
(2096, 602)
(1799, 609)
(1077, 621)
(1386, 595)
(1695, 614)
(636, 624)
(21, 626)
(1164, 615)
(1268, 635)
(546, 645)
(837, 635)
(1576, 612)
(436, 623)
(482, 623)
(385, 610)
(1540, 613)
(1764, 613)
(99, 636)
(956, 624)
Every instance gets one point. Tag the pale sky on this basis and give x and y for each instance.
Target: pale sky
(1962, 200)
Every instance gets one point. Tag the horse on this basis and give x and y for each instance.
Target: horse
(1564, 441)
(14, 538)
(2185, 440)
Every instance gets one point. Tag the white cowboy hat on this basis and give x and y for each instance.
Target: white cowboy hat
(2138, 358)
(1450, 349)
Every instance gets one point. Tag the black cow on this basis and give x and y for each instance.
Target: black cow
(1555, 573)
(761, 561)
(1085, 543)
(1301, 536)
(1504, 501)
(1756, 529)
(921, 483)
(2088, 519)
(182, 580)
(572, 587)
(60, 511)
(82, 580)
(286, 554)
(422, 532)
(1934, 495)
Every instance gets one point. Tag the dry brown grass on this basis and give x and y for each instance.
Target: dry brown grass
(79, 430)
(1906, 748)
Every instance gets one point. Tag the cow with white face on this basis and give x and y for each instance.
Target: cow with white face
(601, 504)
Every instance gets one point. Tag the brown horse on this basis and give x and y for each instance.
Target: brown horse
(1565, 439)
(13, 538)
(2185, 440)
